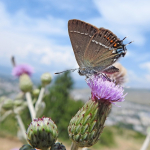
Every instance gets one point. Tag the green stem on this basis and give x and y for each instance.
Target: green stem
(6, 114)
(74, 146)
(30, 105)
(22, 127)
(146, 142)
(39, 100)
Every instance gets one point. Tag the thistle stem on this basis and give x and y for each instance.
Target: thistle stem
(146, 142)
(21, 125)
(74, 146)
(5, 115)
(30, 105)
(85, 148)
(39, 99)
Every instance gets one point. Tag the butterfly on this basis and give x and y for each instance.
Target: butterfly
(95, 49)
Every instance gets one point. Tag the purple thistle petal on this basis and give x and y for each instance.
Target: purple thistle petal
(102, 89)
(18, 70)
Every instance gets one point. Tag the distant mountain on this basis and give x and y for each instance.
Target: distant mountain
(141, 96)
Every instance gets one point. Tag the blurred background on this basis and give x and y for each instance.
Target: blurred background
(36, 33)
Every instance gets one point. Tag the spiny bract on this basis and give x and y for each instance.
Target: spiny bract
(85, 127)
(42, 133)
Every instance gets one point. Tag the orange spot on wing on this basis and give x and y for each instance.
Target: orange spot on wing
(115, 45)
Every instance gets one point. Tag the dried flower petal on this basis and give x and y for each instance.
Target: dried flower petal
(119, 77)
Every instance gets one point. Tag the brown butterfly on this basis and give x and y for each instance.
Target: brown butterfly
(95, 49)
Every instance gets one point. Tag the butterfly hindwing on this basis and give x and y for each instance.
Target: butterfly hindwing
(100, 51)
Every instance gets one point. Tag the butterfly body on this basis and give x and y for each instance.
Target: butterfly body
(86, 71)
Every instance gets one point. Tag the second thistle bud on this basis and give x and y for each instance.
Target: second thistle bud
(42, 133)
(27, 147)
(25, 83)
(36, 92)
(46, 79)
(8, 104)
(58, 146)
(87, 125)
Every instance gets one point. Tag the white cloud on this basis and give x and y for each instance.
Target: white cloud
(138, 81)
(146, 66)
(33, 38)
(58, 55)
(125, 18)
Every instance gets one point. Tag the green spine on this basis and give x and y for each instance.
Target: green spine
(87, 125)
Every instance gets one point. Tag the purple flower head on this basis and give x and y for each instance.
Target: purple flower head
(104, 90)
(18, 70)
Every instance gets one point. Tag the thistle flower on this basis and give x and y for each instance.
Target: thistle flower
(42, 133)
(86, 126)
(119, 77)
(104, 90)
(22, 69)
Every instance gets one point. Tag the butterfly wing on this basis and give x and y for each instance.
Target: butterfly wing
(102, 50)
(80, 34)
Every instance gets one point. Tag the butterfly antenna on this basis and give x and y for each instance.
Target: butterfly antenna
(66, 71)
(124, 38)
(129, 43)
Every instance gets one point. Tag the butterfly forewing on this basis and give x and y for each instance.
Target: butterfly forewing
(80, 34)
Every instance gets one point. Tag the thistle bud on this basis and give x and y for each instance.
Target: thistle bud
(85, 127)
(58, 146)
(36, 92)
(42, 133)
(18, 102)
(27, 147)
(8, 104)
(46, 79)
(2, 99)
(20, 96)
(25, 83)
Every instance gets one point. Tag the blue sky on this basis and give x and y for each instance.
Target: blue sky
(35, 32)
